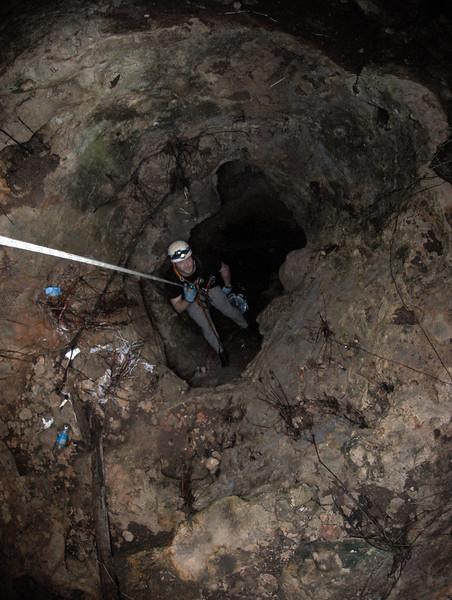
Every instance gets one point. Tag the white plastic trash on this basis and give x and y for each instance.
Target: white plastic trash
(71, 354)
(47, 423)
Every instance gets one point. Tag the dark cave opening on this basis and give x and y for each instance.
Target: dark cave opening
(252, 232)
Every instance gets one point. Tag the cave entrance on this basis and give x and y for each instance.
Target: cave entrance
(252, 232)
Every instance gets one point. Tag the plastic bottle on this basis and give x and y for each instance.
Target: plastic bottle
(62, 438)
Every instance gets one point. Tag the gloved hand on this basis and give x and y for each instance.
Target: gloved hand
(227, 289)
(190, 292)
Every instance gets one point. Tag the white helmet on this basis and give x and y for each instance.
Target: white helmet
(178, 251)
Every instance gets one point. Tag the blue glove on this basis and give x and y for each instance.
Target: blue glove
(190, 292)
(227, 289)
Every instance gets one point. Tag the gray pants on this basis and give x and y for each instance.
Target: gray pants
(219, 300)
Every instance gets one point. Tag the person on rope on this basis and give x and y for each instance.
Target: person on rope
(201, 280)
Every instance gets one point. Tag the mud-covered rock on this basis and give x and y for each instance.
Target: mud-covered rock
(315, 563)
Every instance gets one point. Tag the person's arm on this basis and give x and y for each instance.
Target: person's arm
(182, 302)
(225, 273)
(179, 304)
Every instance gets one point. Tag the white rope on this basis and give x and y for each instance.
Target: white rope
(5, 241)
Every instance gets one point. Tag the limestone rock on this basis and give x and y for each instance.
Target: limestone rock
(128, 536)
(228, 527)
(313, 563)
(212, 464)
(25, 414)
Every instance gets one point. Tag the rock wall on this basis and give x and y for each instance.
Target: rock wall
(323, 469)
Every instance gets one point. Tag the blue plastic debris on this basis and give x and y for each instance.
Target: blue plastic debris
(62, 438)
(53, 291)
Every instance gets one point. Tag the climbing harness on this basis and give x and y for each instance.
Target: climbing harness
(236, 299)
(202, 296)
(11, 243)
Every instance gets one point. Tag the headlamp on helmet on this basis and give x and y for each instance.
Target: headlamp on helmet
(178, 251)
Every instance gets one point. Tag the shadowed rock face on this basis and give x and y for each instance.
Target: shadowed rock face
(316, 464)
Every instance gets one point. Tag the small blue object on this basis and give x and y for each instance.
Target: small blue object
(190, 292)
(62, 438)
(53, 291)
(226, 290)
(239, 301)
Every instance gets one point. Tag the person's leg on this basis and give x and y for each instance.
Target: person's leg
(203, 321)
(221, 303)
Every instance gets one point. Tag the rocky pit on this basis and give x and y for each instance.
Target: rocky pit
(312, 151)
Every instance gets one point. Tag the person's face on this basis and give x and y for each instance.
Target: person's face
(186, 266)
